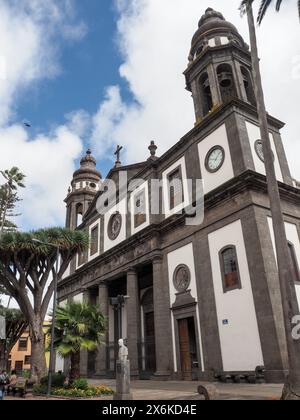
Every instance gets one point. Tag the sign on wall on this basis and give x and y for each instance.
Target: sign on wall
(2, 328)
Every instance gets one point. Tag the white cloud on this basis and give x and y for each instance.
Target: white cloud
(31, 33)
(48, 162)
(154, 38)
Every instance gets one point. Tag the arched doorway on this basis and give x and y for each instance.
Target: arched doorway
(148, 345)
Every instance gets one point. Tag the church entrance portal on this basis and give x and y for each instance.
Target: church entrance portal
(187, 348)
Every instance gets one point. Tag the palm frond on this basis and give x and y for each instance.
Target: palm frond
(78, 326)
(263, 10)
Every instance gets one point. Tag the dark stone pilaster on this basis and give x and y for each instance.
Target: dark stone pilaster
(162, 320)
(101, 362)
(265, 289)
(133, 320)
(286, 174)
(211, 345)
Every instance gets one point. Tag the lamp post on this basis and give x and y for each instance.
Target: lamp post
(118, 303)
(51, 362)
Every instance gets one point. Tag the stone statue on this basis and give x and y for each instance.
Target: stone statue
(123, 351)
(123, 374)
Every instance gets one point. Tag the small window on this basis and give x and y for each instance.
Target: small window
(19, 367)
(295, 266)
(95, 240)
(230, 269)
(175, 188)
(23, 342)
(140, 216)
(27, 361)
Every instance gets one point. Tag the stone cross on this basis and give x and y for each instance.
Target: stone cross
(117, 153)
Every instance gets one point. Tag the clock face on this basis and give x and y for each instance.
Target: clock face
(215, 159)
(114, 226)
(259, 150)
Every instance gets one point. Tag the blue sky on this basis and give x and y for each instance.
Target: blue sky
(97, 73)
(87, 67)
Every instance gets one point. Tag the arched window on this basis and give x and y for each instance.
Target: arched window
(295, 266)
(230, 269)
(226, 82)
(248, 85)
(79, 214)
(206, 96)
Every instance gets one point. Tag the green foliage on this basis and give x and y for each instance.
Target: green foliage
(58, 380)
(264, 6)
(66, 239)
(9, 197)
(78, 326)
(81, 383)
(89, 392)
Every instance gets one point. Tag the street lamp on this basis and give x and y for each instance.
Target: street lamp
(51, 362)
(118, 303)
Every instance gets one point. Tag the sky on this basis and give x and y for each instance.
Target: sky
(90, 73)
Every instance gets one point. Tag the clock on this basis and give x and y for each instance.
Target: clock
(215, 159)
(259, 148)
(182, 278)
(114, 226)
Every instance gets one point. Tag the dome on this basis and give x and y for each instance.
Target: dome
(88, 159)
(213, 23)
(88, 167)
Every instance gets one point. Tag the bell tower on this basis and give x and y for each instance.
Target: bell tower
(84, 187)
(219, 68)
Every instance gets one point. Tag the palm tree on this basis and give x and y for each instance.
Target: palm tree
(27, 272)
(78, 326)
(288, 291)
(14, 180)
(264, 6)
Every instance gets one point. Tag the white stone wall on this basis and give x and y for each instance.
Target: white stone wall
(122, 209)
(225, 173)
(240, 341)
(254, 135)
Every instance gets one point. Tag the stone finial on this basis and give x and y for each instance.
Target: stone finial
(152, 148)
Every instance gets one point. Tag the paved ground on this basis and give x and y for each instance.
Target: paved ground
(171, 390)
(155, 390)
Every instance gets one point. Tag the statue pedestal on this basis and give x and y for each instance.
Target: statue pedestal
(123, 381)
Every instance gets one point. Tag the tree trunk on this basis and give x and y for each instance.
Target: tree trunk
(38, 360)
(75, 367)
(287, 286)
(3, 356)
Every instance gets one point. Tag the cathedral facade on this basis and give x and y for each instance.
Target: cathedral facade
(192, 300)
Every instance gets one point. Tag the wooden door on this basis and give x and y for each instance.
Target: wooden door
(150, 342)
(185, 351)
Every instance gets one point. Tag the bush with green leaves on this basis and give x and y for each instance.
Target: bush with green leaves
(58, 380)
(81, 383)
(66, 392)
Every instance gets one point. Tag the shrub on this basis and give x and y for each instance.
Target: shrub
(90, 392)
(81, 384)
(58, 380)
